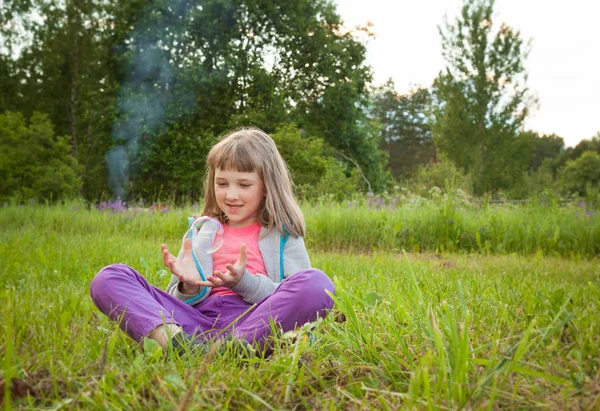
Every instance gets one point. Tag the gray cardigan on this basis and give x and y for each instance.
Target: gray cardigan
(252, 288)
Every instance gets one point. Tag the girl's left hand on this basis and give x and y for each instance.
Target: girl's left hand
(233, 274)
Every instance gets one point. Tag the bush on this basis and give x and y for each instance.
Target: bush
(315, 174)
(35, 163)
(581, 175)
(442, 174)
(534, 184)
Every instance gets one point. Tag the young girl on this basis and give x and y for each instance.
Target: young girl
(260, 275)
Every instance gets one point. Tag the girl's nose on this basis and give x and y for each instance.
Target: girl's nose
(232, 194)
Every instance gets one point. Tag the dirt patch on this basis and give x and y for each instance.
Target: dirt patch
(18, 389)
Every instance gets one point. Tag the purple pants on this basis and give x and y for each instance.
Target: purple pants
(125, 296)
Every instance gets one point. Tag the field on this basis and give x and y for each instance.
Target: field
(438, 306)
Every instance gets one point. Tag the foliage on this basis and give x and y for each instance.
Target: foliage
(314, 171)
(442, 174)
(534, 184)
(572, 153)
(543, 147)
(35, 164)
(582, 174)
(334, 184)
(123, 76)
(306, 157)
(355, 138)
(261, 65)
(405, 130)
(66, 70)
(171, 166)
(481, 100)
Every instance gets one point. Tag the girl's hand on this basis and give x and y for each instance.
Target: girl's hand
(233, 275)
(184, 269)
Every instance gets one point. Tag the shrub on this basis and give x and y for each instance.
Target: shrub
(442, 174)
(314, 172)
(35, 163)
(581, 175)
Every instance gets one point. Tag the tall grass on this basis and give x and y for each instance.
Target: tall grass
(435, 226)
(448, 227)
(417, 330)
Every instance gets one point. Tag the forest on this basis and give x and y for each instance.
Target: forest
(111, 99)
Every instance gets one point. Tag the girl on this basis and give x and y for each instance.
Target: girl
(261, 274)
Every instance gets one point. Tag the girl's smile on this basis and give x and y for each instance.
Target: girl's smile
(239, 195)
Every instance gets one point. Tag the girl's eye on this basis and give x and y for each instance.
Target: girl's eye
(245, 185)
(221, 184)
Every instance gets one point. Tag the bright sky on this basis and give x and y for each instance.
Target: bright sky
(563, 65)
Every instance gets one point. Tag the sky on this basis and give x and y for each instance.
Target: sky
(563, 65)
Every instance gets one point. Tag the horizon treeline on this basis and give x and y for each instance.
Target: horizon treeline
(105, 99)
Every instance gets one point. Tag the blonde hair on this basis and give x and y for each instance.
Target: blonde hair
(250, 150)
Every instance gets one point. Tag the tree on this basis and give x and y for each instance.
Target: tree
(132, 80)
(405, 129)
(313, 168)
(35, 163)
(206, 70)
(582, 174)
(481, 99)
(543, 147)
(66, 70)
(555, 164)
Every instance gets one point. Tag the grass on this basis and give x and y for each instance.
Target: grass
(448, 226)
(413, 330)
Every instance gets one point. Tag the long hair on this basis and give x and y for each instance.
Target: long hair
(250, 150)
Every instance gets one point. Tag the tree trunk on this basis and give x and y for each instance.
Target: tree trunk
(74, 78)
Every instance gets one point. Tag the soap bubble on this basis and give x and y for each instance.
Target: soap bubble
(206, 234)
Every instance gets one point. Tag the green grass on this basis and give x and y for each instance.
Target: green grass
(417, 330)
(444, 226)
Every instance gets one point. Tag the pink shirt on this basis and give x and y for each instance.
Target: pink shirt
(230, 252)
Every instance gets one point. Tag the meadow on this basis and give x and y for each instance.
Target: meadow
(439, 305)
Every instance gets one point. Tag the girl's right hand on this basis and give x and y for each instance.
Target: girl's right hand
(184, 269)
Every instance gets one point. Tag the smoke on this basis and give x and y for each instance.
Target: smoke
(118, 167)
(146, 95)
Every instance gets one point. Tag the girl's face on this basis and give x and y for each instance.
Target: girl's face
(239, 195)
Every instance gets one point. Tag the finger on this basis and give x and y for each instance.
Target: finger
(205, 284)
(219, 275)
(187, 247)
(165, 254)
(243, 254)
(217, 282)
(231, 269)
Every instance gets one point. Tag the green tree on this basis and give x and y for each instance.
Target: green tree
(226, 64)
(34, 162)
(405, 129)
(126, 80)
(481, 99)
(314, 169)
(555, 164)
(543, 147)
(66, 70)
(582, 174)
